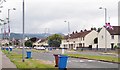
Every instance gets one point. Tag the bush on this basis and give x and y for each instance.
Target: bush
(116, 47)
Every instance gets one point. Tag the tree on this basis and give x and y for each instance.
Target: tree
(99, 29)
(55, 40)
(28, 43)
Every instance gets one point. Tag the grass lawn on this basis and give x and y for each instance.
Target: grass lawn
(29, 63)
(105, 58)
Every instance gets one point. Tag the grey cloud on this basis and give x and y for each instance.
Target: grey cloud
(40, 14)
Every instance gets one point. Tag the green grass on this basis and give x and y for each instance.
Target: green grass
(29, 63)
(105, 58)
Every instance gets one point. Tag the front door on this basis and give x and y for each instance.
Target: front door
(112, 46)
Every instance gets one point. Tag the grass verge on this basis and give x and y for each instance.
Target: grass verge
(29, 64)
(104, 58)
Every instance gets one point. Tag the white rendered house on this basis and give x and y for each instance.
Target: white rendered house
(108, 38)
(83, 39)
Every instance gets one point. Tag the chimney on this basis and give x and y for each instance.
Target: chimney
(81, 31)
(73, 32)
(85, 30)
(92, 28)
(76, 32)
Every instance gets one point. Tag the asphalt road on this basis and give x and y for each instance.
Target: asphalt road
(73, 62)
(86, 53)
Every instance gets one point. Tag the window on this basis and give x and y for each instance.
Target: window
(64, 46)
(102, 37)
(112, 37)
(83, 38)
(73, 41)
(83, 45)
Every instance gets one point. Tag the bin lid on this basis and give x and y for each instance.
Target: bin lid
(63, 56)
(28, 51)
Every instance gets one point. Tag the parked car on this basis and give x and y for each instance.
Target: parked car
(20, 47)
(40, 48)
(35, 47)
(11, 47)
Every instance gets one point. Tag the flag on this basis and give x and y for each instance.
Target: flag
(108, 26)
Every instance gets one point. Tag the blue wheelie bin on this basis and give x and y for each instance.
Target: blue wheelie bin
(7, 49)
(28, 54)
(10, 49)
(62, 63)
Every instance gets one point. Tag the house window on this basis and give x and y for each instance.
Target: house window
(67, 40)
(73, 41)
(112, 37)
(83, 45)
(83, 38)
(80, 45)
(64, 46)
(102, 37)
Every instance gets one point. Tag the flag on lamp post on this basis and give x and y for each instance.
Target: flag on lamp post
(108, 26)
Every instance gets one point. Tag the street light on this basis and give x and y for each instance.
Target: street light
(68, 31)
(68, 28)
(9, 23)
(105, 30)
(9, 13)
(23, 58)
(105, 14)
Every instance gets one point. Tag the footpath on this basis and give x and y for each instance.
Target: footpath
(6, 64)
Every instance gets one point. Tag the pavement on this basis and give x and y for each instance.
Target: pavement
(5, 62)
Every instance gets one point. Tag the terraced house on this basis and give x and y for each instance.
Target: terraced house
(82, 39)
(109, 38)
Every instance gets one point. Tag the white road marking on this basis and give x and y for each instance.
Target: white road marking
(82, 61)
(91, 60)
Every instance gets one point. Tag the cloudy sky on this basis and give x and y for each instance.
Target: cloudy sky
(49, 15)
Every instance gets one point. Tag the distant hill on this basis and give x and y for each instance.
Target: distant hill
(19, 35)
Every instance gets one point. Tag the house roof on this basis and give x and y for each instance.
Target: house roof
(115, 31)
(79, 34)
(42, 40)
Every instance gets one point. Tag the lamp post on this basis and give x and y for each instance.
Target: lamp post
(23, 58)
(68, 28)
(9, 21)
(105, 30)
(68, 32)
